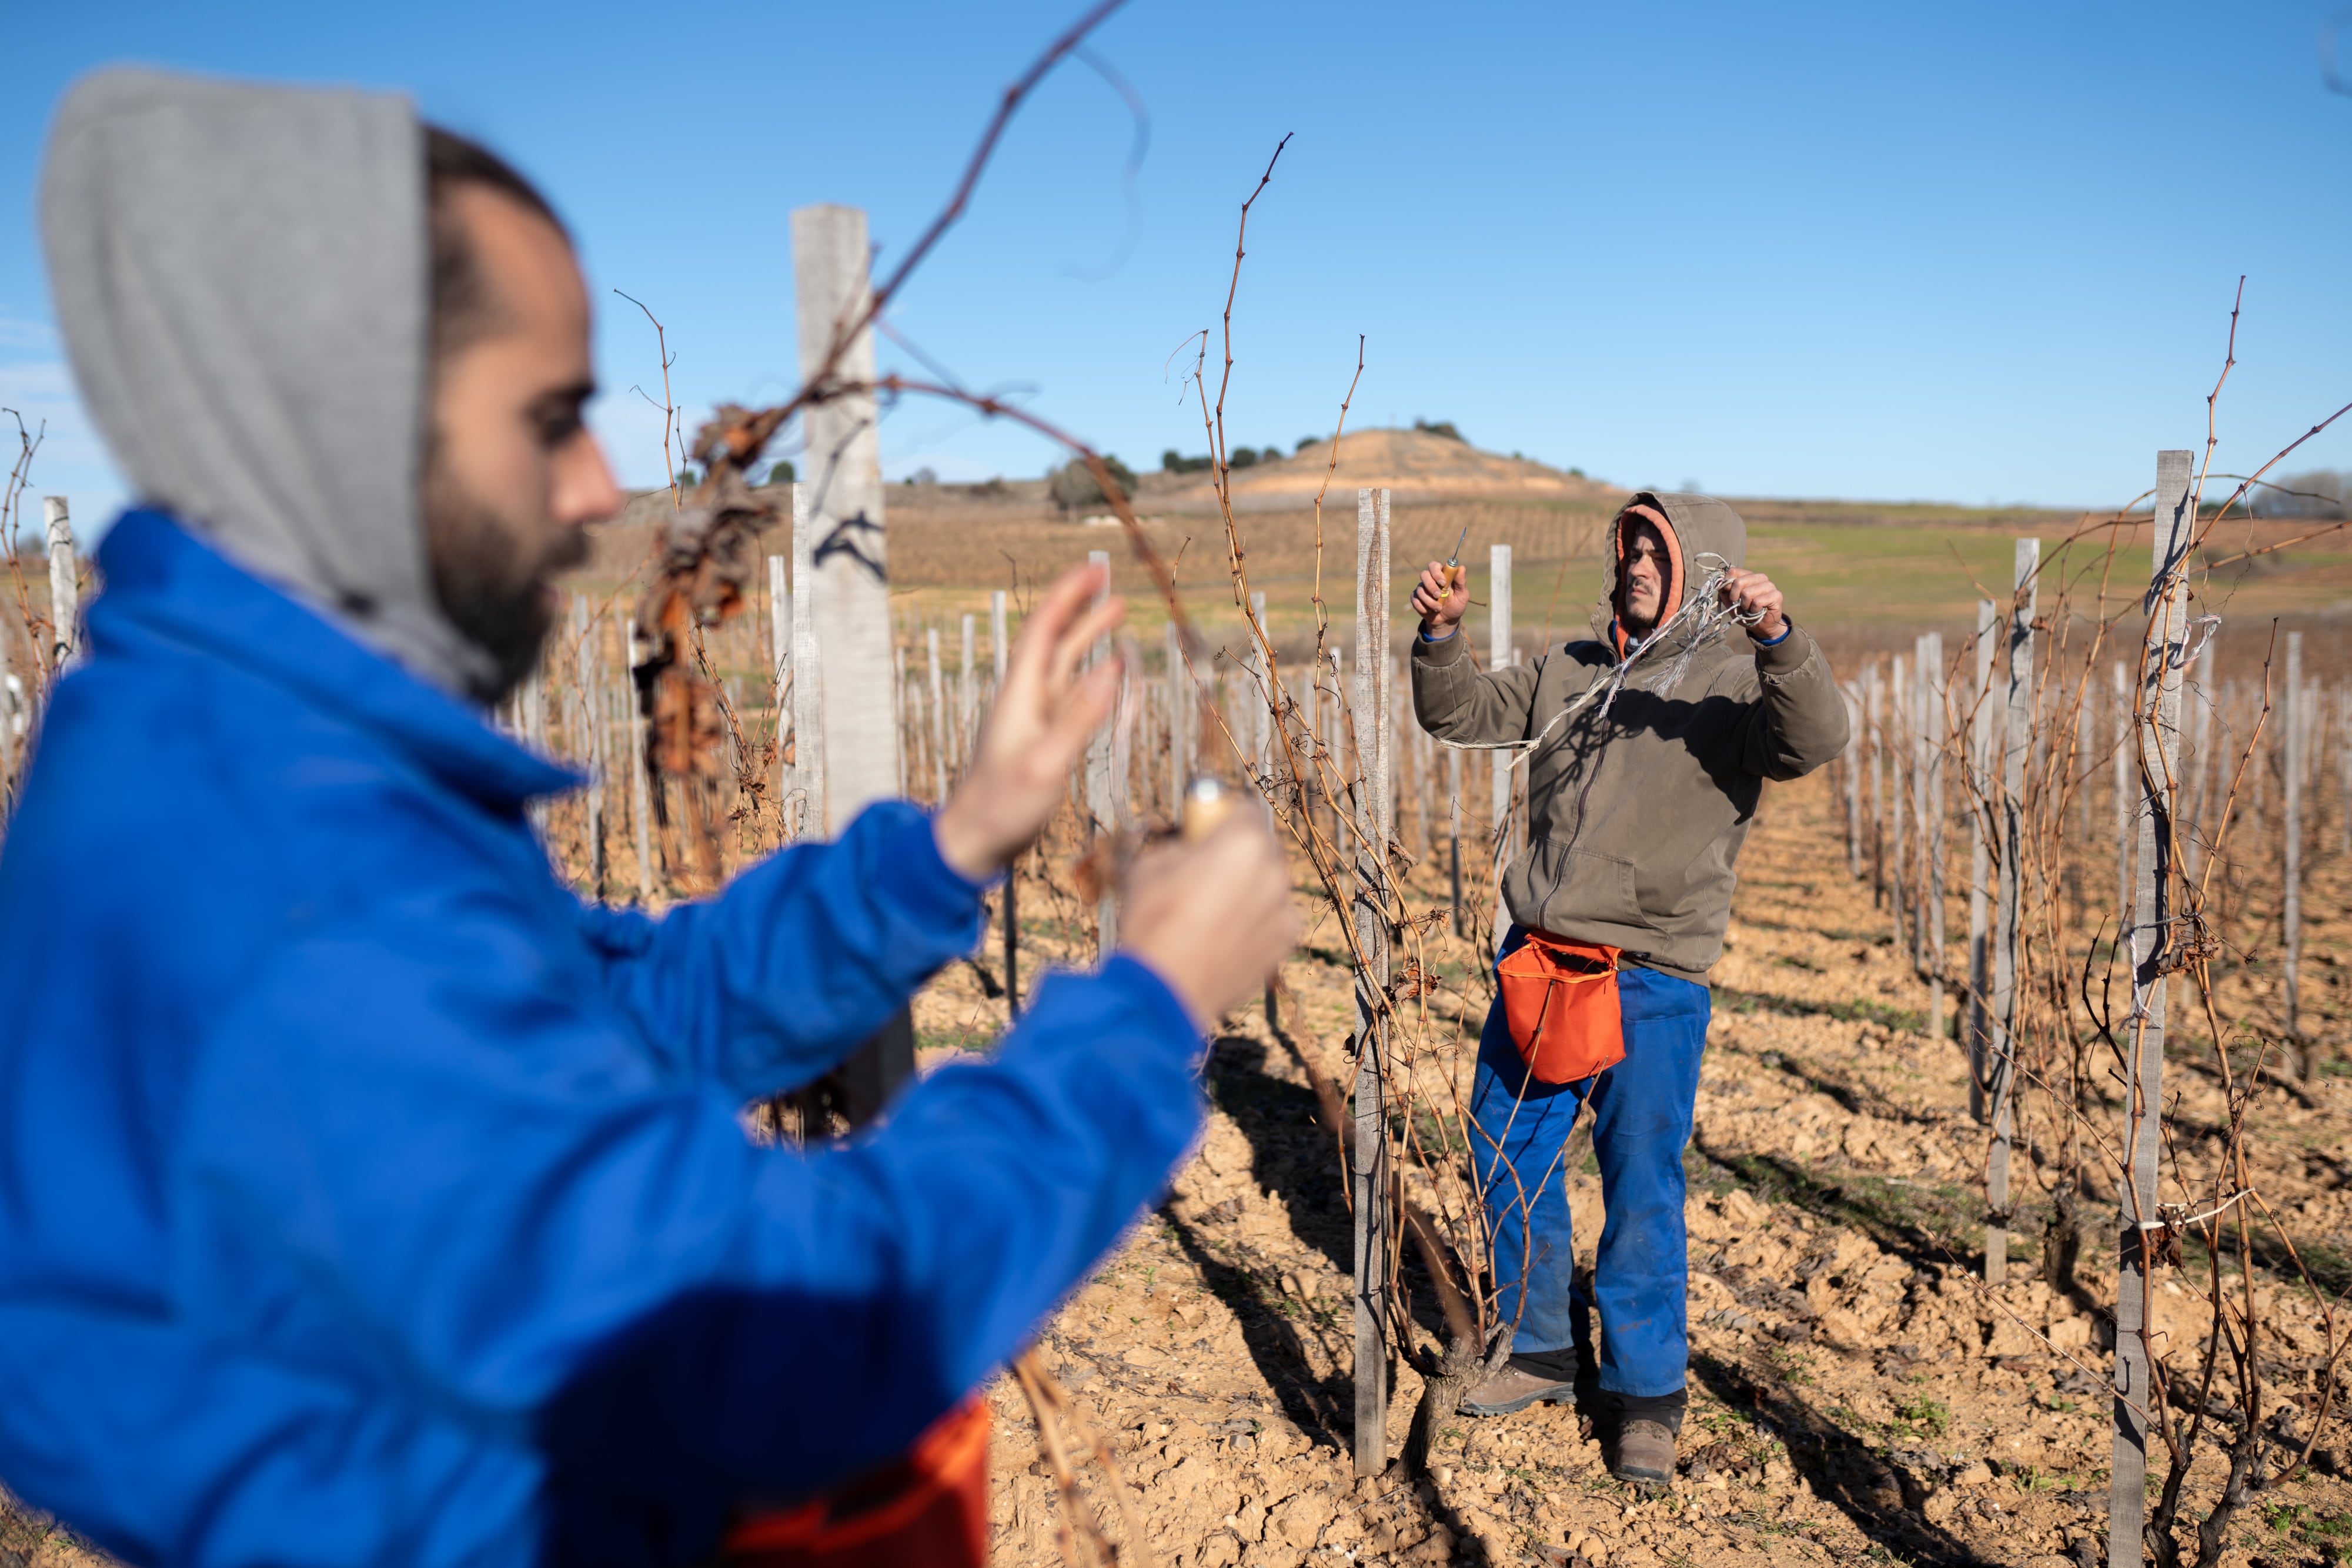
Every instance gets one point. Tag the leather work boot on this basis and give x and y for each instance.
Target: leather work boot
(1513, 1389)
(1645, 1454)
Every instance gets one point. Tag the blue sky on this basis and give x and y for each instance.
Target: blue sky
(1978, 253)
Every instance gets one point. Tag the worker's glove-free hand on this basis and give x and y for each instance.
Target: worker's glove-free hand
(1211, 918)
(1440, 597)
(1036, 729)
(1757, 600)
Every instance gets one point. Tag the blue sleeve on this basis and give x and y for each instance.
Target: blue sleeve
(417, 1157)
(799, 960)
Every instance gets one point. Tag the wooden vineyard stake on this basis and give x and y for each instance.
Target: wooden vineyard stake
(849, 572)
(591, 748)
(1871, 705)
(2009, 914)
(1181, 721)
(2291, 909)
(65, 587)
(1898, 705)
(780, 680)
(1979, 1030)
(1851, 762)
(1373, 1240)
(2155, 752)
(1499, 651)
(2126, 831)
(998, 630)
(939, 720)
(1927, 786)
(1101, 811)
(1454, 833)
(967, 698)
(640, 807)
(804, 800)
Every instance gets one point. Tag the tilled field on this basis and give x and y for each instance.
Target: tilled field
(1856, 1393)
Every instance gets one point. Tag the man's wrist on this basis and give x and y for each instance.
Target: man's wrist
(1757, 635)
(1429, 636)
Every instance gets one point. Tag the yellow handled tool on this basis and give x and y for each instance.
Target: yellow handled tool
(1453, 563)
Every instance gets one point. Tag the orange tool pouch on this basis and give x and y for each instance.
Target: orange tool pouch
(927, 1506)
(1559, 999)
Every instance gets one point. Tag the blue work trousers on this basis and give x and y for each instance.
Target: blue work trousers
(1641, 1120)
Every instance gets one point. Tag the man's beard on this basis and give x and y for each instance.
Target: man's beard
(488, 580)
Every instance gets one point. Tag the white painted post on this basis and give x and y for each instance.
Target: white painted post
(1374, 826)
(640, 805)
(1979, 744)
(2291, 914)
(2009, 912)
(65, 586)
(2158, 739)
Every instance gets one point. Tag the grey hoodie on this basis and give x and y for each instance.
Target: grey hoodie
(1635, 824)
(241, 276)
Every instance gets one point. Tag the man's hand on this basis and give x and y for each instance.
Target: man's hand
(1441, 610)
(1036, 729)
(1211, 918)
(1750, 593)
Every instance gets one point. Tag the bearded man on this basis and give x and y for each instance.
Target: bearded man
(1637, 804)
(365, 1197)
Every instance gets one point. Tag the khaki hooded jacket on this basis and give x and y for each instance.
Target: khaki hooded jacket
(1635, 821)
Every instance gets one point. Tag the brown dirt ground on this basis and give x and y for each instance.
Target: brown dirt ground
(1856, 1394)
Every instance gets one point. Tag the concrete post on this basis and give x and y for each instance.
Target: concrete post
(2157, 738)
(843, 494)
(1373, 1240)
(851, 566)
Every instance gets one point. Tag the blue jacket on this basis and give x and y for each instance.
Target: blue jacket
(366, 1197)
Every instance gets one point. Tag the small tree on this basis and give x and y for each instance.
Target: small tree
(1443, 427)
(1073, 485)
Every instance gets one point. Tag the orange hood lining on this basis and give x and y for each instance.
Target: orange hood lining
(1671, 600)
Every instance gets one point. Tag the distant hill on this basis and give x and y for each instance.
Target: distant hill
(1417, 465)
